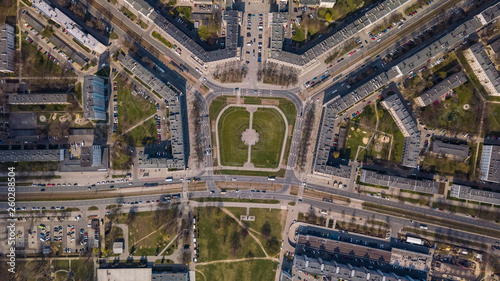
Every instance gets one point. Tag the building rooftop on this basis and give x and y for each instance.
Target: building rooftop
(490, 163)
(411, 259)
(124, 274)
(7, 45)
(468, 193)
(345, 248)
(31, 155)
(441, 89)
(196, 47)
(170, 276)
(421, 185)
(458, 151)
(94, 99)
(177, 117)
(489, 75)
(342, 271)
(71, 27)
(407, 125)
(41, 98)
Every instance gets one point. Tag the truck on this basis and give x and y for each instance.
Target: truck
(169, 179)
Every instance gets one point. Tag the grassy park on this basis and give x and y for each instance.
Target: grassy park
(149, 232)
(268, 226)
(221, 238)
(451, 114)
(232, 123)
(131, 108)
(262, 270)
(271, 128)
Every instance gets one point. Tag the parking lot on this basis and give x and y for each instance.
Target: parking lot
(255, 30)
(64, 234)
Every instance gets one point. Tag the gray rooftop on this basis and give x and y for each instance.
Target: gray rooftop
(342, 271)
(337, 37)
(490, 72)
(46, 98)
(71, 27)
(422, 185)
(495, 46)
(408, 126)
(170, 276)
(31, 155)
(33, 22)
(196, 47)
(7, 39)
(77, 56)
(175, 102)
(441, 89)
(490, 163)
(468, 193)
(458, 151)
(94, 97)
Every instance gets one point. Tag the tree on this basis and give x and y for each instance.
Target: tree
(273, 244)
(441, 74)
(266, 229)
(336, 154)
(235, 241)
(328, 17)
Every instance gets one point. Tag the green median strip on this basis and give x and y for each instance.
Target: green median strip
(430, 219)
(220, 199)
(160, 38)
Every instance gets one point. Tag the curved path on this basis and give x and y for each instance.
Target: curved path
(249, 108)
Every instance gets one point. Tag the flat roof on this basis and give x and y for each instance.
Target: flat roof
(124, 274)
(422, 185)
(468, 193)
(442, 88)
(41, 98)
(460, 151)
(58, 16)
(490, 163)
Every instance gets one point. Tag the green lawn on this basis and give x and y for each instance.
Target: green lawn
(343, 8)
(286, 105)
(262, 216)
(300, 34)
(39, 64)
(262, 270)
(8, 10)
(387, 125)
(216, 106)
(271, 128)
(220, 238)
(233, 122)
(83, 269)
(60, 264)
(143, 224)
(356, 136)
(131, 109)
(450, 115)
(128, 13)
(144, 133)
(279, 174)
(449, 62)
(444, 165)
(162, 39)
(492, 124)
(111, 236)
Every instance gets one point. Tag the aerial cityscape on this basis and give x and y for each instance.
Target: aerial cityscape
(210, 140)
